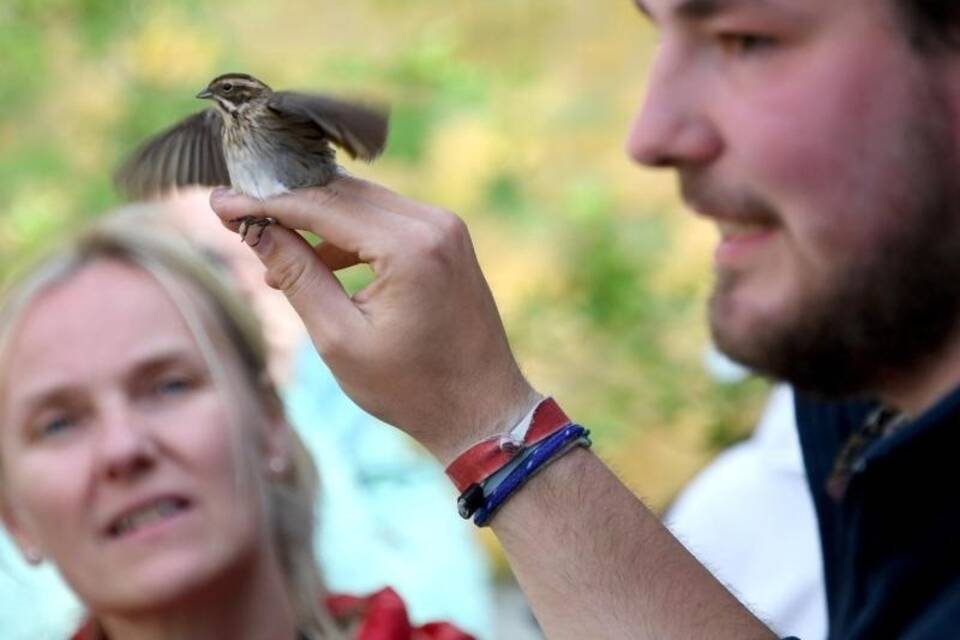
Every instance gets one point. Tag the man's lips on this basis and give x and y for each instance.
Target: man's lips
(733, 230)
(741, 240)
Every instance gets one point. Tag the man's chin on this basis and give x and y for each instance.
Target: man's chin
(768, 346)
(734, 330)
(736, 344)
(798, 350)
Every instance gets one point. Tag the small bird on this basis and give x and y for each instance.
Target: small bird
(258, 141)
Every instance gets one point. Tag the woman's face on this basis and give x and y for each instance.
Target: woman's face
(119, 457)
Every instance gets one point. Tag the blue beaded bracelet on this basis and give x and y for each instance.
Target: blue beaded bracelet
(542, 454)
(476, 494)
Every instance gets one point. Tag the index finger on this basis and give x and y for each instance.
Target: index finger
(380, 196)
(345, 219)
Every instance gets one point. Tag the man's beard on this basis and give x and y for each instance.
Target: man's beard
(881, 315)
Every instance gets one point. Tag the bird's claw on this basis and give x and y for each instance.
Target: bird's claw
(253, 221)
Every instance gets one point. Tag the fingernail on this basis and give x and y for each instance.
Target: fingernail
(219, 193)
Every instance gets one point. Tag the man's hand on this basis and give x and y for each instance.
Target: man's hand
(422, 347)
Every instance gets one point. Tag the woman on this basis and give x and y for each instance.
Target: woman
(144, 450)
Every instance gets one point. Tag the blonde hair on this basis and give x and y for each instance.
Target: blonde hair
(215, 314)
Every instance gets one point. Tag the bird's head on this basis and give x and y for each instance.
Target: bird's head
(234, 92)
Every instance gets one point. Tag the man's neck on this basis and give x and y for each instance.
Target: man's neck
(250, 604)
(917, 389)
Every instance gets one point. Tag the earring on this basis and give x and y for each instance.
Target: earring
(33, 556)
(277, 465)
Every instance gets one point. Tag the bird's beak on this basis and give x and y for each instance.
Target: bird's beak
(205, 94)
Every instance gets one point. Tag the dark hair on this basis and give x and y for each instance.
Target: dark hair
(933, 26)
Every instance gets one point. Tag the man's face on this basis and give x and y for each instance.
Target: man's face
(822, 145)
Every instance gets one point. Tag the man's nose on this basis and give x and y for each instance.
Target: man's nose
(125, 448)
(673, 127)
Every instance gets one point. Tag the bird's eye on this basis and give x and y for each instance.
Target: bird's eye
(226, 87)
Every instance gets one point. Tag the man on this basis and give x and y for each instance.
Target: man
(822, 138)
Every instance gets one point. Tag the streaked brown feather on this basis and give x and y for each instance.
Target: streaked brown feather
(359, 130)
(189, 153)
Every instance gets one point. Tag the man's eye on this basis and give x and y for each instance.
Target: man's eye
(739, 44)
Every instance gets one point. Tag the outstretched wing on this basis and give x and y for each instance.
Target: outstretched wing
(189, 153)
(359, 130)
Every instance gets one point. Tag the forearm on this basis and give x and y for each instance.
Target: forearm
(595, 563)
(423, 348)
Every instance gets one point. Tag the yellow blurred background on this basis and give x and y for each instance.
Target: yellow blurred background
(510, 112)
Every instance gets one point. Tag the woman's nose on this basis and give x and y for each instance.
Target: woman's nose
(125, 448)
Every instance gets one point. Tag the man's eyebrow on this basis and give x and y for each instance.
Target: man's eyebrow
(704, 9)
(700, 10)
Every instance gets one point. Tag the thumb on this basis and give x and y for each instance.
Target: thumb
(294, 268)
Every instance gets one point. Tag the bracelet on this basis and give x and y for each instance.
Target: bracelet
(480, 461)
(540, 456)
(477, 493)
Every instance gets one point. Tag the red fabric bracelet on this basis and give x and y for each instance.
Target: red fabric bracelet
(483, 459)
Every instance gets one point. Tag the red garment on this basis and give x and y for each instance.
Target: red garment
(382, 616)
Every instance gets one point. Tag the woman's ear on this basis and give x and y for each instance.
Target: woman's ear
(950, 79)
(15, 527)
(277, 433)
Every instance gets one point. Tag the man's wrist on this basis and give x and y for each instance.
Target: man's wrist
(497, 420)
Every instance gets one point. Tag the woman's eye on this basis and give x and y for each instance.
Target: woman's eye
(55, 425)
(745, 43)
(172, 386)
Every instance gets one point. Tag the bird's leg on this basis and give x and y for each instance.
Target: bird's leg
(252, 221)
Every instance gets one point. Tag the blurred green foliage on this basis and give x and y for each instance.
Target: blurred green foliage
(510, 112)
